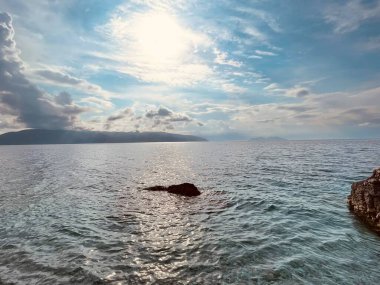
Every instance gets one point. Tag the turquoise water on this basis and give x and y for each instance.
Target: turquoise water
(270, 213)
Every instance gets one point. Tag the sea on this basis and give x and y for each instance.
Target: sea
(269, 213)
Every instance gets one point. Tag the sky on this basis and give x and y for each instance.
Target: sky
(224, 70)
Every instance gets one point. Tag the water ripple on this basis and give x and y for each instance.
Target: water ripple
(269, 214)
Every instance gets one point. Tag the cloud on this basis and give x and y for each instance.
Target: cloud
(222, 58)
(99, 103)
(20, 98)
(263, 52)
(273, 87)
(233, 88)
(160, 118)
(328, 115)
(349, 16)
(255, 56)
(298, 92)
(262, 15)
(161, 112)
(295, 108)
(255, 33)
(159, 46)
(63, 99)
(122, 115)
(180, 118)
(166, 123)
(359, 116)
(58, 77)
(166, 115)
(372, 44)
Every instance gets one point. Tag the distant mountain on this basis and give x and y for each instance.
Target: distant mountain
(38, 136)
(267, 139)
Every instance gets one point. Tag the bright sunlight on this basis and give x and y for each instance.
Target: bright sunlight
(160, 38)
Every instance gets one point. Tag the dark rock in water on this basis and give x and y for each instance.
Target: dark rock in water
(156, 188)
(185, 189)
(364, 200)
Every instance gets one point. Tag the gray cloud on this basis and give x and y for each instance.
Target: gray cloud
(179, 118)
(31, 106)
(126, 113)
(302, 93)
(63, 98)
(160, 118)
(161, 112)
(115, 118)
(298, 92)
(59, 77)
(364, 116)
(295, 108)
(164, 116)
(305, 116)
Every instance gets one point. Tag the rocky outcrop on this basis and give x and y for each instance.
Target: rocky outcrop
(185, 189)
(364, 200)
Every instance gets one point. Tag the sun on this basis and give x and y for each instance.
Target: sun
(159, 46)
(159, 38)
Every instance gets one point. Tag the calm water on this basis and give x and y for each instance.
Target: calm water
(270, 213)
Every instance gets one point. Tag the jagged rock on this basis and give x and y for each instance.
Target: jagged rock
(185, 189)
(364, 200)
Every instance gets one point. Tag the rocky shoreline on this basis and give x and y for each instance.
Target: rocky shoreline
(364, 200)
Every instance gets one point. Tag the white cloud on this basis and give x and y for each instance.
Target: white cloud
(222, 58)
(255, 33)
(255, 56)
(330, 114)
(349, 16)
(262, 15)
(263, 52)
(99, 103)
(233, 88)
(273, 87)
(297, 91)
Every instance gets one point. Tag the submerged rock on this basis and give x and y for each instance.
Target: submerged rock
(185, 189)
(364, 200)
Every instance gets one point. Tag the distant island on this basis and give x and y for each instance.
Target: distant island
(267, 139)
(39, 136)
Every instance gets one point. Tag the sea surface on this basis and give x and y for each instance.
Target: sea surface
(269, 213)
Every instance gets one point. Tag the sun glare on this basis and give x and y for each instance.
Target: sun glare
(158, 46)
(159, 38)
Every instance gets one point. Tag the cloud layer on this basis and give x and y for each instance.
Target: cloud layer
(20, 99)
(246, 68)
